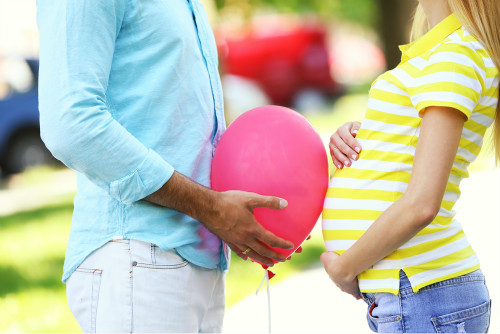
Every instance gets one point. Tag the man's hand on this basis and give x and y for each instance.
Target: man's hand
(334, 269)
(229, 215)
(235, 223)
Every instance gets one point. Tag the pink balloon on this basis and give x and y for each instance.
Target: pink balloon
(275, 151)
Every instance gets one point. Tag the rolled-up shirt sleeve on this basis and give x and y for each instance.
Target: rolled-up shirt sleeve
(77, 43)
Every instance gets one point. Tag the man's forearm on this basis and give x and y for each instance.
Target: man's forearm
(182, 194)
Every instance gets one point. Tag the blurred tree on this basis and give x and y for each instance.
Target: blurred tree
(360, 11)
(395, 24)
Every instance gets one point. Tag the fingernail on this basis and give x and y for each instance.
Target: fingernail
(283, 203)
(354, 156)
(357, 149)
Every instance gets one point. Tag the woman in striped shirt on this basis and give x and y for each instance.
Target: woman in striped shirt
(388, 222)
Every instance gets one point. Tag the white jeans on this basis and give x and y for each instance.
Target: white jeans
(133, 286)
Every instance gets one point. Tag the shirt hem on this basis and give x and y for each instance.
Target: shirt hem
(420, 286)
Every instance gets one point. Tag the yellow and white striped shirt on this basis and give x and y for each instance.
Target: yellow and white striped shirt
(447, 67)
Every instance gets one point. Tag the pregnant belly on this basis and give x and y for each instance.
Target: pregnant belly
(354, 200)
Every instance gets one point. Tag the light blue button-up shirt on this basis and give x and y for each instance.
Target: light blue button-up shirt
(129, 91)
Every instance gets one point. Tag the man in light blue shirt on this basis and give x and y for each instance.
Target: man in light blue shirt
(130, 98)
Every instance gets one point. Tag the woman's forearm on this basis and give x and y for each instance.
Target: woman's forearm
(394, 227)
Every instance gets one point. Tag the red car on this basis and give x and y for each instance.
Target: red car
(284, 59)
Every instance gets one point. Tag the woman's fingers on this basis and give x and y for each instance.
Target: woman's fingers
(344, 146)
(348, 134)
(339, 149)
(352, 147)
(336, 162)
(355, 126)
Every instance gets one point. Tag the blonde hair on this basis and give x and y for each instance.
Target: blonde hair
(482, 19)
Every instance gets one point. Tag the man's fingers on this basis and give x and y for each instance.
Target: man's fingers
(262, 259)
(265, 251)
(272, 240)
(270, 202)
(237, 251)
(251, 253)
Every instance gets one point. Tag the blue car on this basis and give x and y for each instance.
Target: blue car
(20, 143)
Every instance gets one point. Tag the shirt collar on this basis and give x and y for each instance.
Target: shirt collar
(432, 38)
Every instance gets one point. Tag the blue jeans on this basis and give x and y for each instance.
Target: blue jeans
(457, 305)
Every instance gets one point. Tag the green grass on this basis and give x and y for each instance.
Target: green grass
(32, 246)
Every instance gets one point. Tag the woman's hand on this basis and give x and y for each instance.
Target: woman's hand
(343, 146)
(334, 269)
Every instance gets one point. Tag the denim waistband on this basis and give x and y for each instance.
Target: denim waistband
(405, 287)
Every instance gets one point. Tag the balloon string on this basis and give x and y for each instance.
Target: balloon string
(266, 279)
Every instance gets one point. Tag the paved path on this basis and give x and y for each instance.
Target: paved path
(309, 303)
(305, 303)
